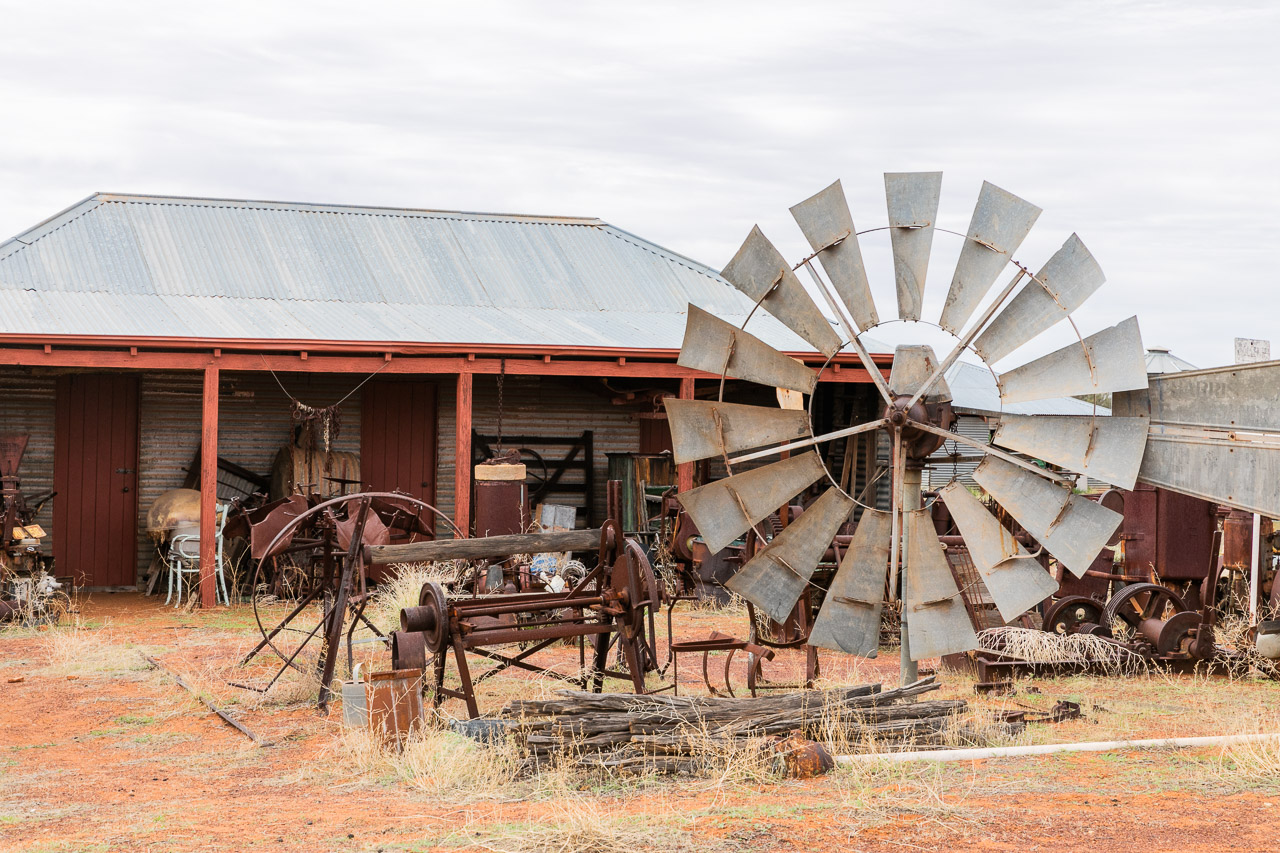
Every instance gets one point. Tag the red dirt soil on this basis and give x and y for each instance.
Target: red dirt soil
(129, 762)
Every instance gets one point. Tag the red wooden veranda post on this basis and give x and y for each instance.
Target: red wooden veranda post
(462, 455)
(209, 488)
(684, 471)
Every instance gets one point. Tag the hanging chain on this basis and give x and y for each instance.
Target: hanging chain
(502, 375)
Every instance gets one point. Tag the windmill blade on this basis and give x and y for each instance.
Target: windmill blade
(760, 271)
(937, 622)
(913, 364)
(714, 346)
(849, 620)
(701, 429)
(726, 509)
(1118, 364)
(1069, 278)
(1016, 581)
(1001, 221)
(1101, 447)
(774, 579)
(1070, 527)
(912, 199)
(1215, 434)
(828, 226)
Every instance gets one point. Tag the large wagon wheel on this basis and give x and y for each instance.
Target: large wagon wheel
(1139, 602)
(334, 533)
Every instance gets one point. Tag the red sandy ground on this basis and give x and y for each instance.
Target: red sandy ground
(76, 777)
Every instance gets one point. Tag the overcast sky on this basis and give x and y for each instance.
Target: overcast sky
(1151, 129)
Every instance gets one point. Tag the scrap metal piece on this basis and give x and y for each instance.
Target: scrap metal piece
(1234, 471)
(761, 272)
(774, 579)
(937, 622)
(1104, 448)
(850, 617)
(1069, 278)
(1236, 397)
(825, 220)
(1115, 362)
(912, 199)
(701, 429)
(1070, 527)
(1016, 582)
(913, 364)
(714, 346)
(726, 509)
(1001, 221)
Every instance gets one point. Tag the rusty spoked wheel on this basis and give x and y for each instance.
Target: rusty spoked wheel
(1067, 614)
(332, 535)
(1139, 602)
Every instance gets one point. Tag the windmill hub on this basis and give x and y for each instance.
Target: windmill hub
(917, 443)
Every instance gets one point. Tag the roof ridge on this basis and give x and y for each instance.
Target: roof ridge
(354, 209)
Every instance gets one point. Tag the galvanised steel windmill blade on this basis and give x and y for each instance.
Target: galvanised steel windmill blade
(917, 415)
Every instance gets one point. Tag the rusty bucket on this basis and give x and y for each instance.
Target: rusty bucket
(394, 700)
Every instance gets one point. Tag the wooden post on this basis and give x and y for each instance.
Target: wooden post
(209, 488)
(684, 471)
(462, 455)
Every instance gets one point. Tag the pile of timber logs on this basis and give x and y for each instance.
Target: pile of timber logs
(688, 734)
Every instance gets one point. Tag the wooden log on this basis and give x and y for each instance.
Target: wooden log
(485, 548)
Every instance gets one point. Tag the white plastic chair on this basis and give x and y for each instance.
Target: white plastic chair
(184, 558)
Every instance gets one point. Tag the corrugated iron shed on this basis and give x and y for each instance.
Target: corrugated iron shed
(1160, 360)
(152, 266)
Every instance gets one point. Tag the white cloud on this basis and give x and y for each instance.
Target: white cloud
(1149, 128)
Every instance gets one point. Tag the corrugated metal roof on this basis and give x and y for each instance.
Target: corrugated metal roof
(974, 391)
(1160, 360)
(153, 266)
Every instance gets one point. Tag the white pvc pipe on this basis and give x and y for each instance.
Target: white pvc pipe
(1050, 748)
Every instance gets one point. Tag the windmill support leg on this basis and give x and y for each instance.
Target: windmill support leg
(911, 500)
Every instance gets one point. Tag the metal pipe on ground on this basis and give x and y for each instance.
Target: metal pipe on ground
(981, 754)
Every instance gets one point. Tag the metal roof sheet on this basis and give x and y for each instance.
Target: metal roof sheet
(974, 391)
(159, 266)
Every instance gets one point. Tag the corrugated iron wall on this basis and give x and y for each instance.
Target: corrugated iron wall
(535, 405)
(942, 470)
(27, 406)
(254, 422)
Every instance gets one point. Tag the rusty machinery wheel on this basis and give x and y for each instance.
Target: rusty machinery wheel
(1139, 602)
(341, 595)
(1067, 614)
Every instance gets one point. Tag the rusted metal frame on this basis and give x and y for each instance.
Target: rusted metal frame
(969, 336)
(808, 442)
(464, 674)
(209, 488)
(499, 636)
(864, 357)
(986, 448)
(267, 637)
(468, 610)
(519, 661)
(337, 615)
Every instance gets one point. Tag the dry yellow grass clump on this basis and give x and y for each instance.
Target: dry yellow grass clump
(400, 589)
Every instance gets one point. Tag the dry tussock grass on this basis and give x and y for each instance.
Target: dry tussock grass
(877, 794)
(1252, 763)
(437, 762)
(82, 652)
(582, 825)
(400, 589)
(1048, 648)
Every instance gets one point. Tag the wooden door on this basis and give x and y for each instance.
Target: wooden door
(398, 438)
(95, 472)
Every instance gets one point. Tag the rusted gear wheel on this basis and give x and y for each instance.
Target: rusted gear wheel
(1141, 601)
(430, 617)
(1067, 614)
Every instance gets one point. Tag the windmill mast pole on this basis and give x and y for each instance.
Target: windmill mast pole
(911, 500)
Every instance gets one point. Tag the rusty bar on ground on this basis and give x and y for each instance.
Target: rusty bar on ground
(486, 548)
(209, 489)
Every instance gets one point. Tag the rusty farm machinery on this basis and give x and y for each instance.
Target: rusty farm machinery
(609, 607)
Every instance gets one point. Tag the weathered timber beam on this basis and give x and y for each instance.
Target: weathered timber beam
(485, 548)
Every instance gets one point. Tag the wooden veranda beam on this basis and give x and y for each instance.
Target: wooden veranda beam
(209, 488)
